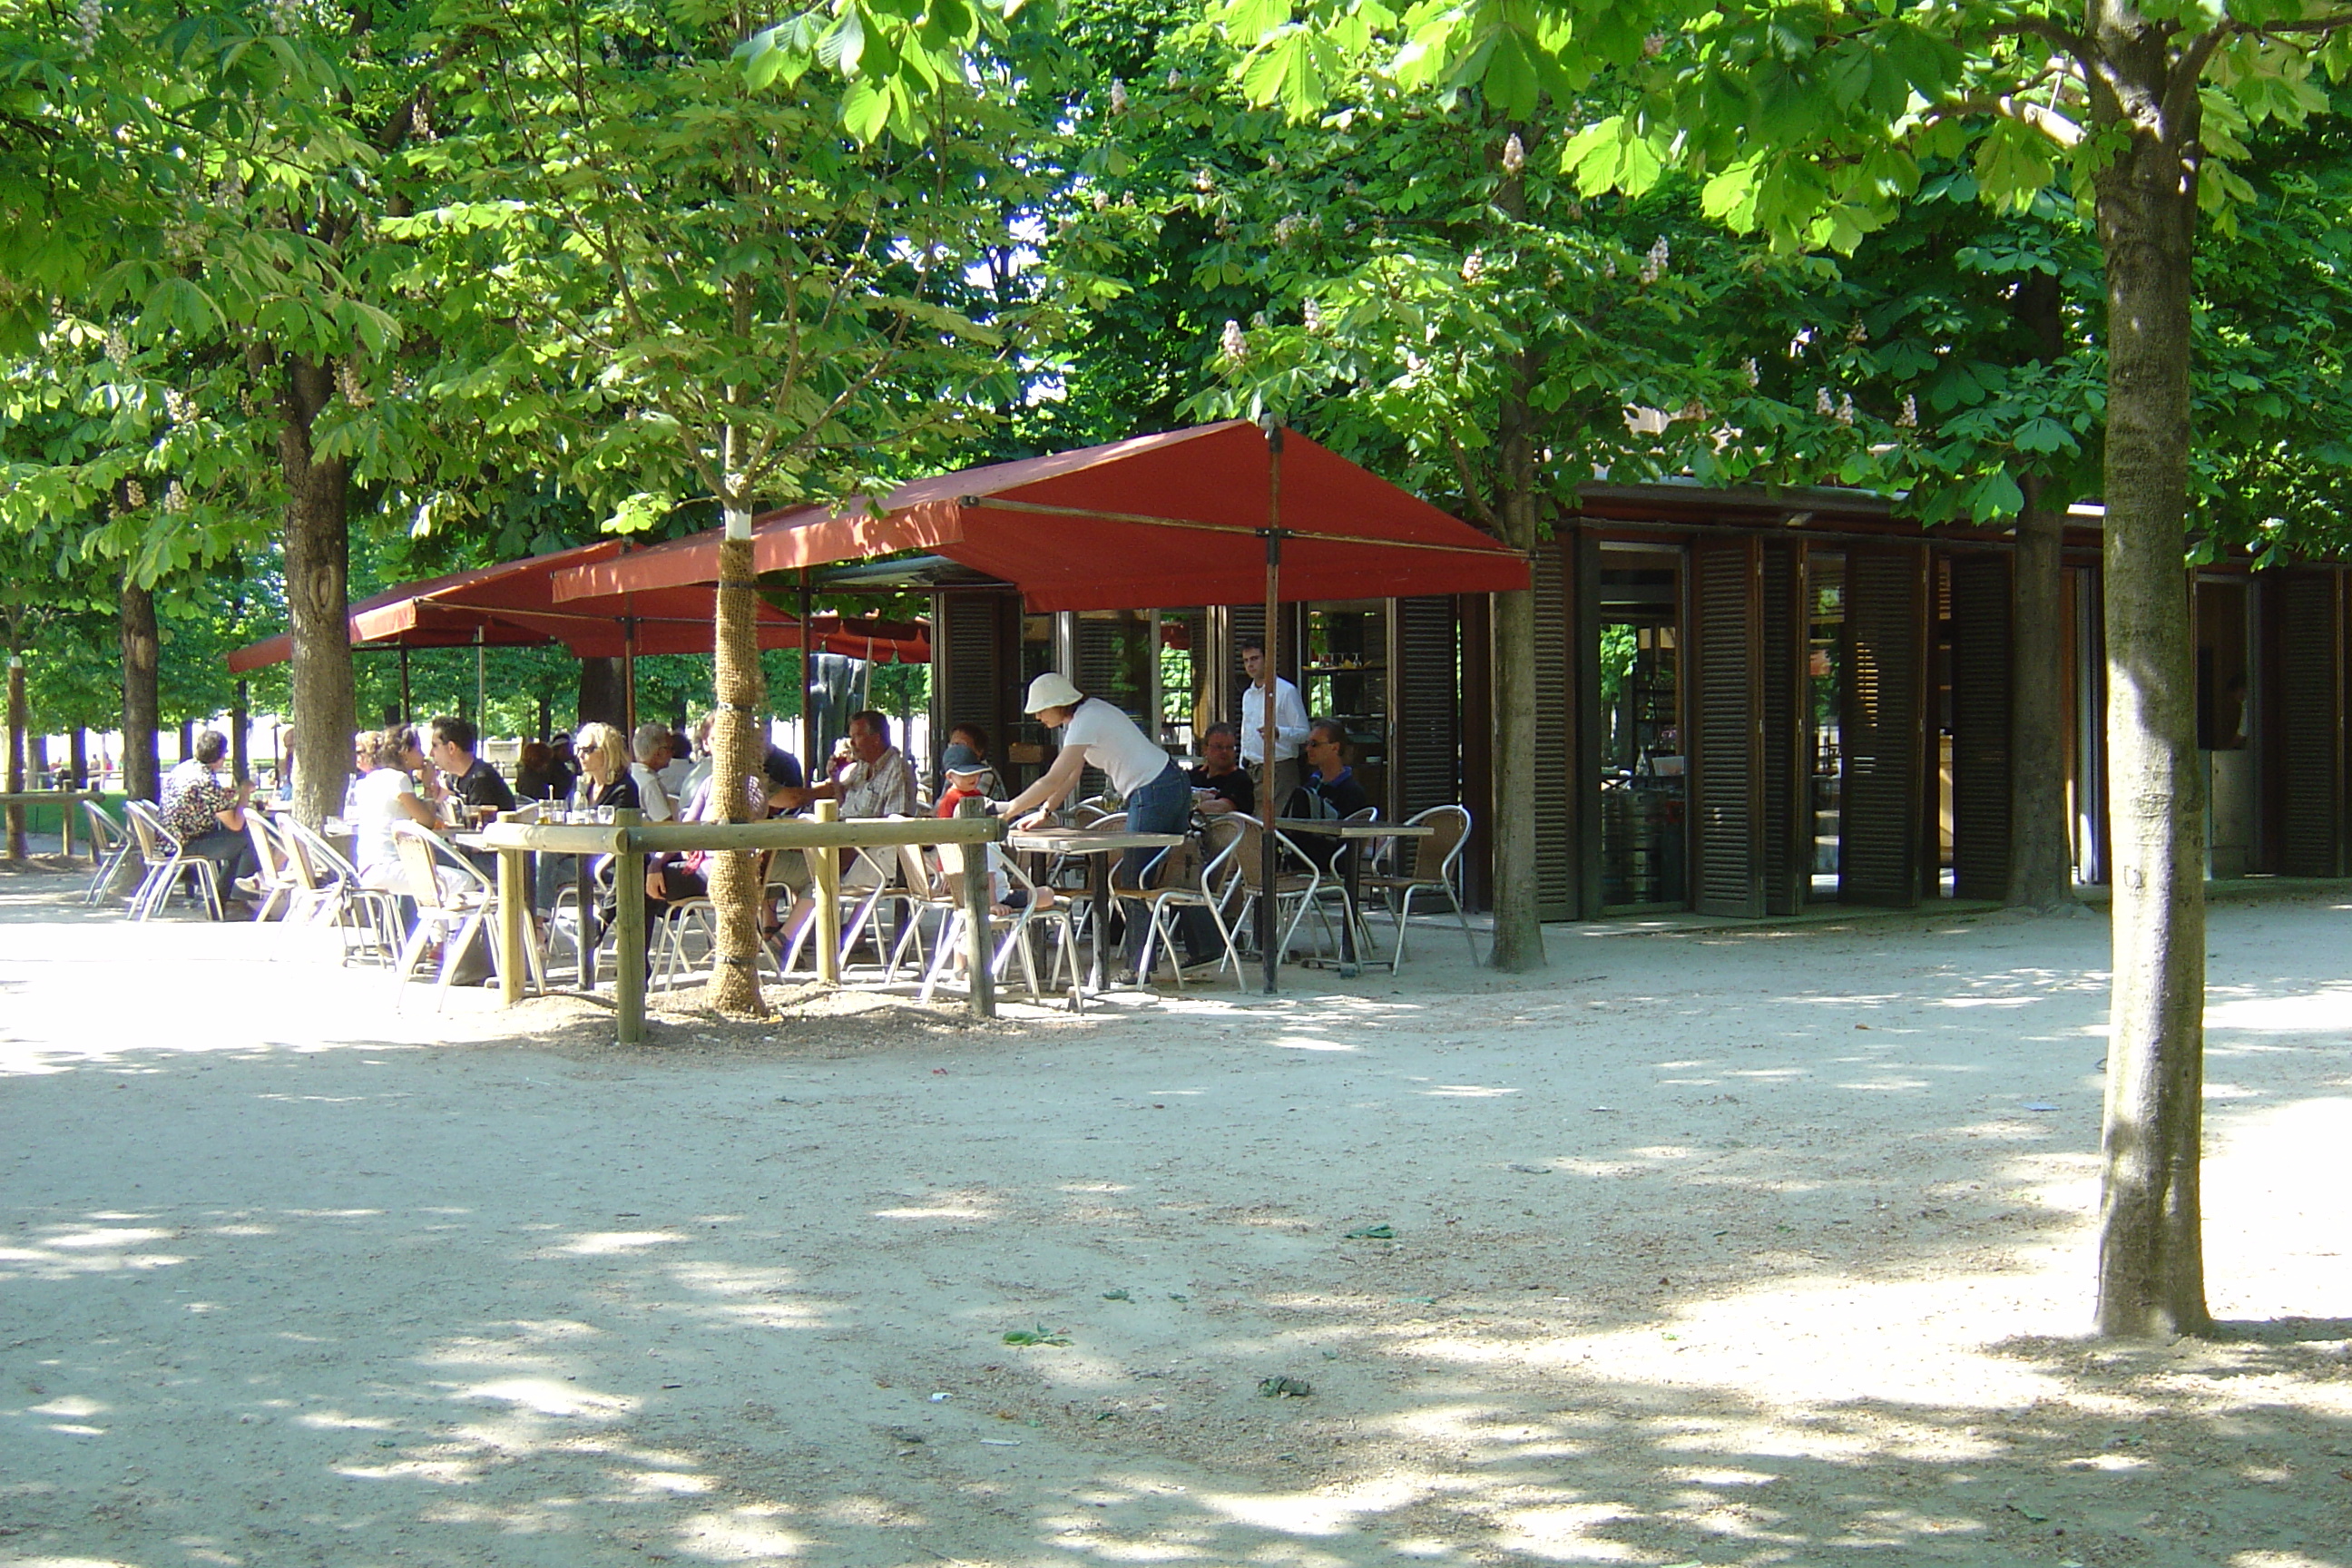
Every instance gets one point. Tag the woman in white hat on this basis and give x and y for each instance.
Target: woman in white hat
(1159, 797)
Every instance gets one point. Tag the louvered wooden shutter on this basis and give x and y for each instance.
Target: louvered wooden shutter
(1880, 793)
(969, 675)
(1425, 729)
(2310, 704)
(1980, 757)
(1781, 680)
(1103, 672)
(1555, 817)
(1726, 764)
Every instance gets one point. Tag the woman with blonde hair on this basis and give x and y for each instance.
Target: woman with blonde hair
(603, 753)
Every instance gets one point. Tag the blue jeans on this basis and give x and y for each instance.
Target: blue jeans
(1163, 806)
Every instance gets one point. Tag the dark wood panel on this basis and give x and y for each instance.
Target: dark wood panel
(1880, 731)
(1725, 761)
(1425, 729)
(1980, 702)
(2310, 701)
(972, 675)
(1556, 849)
(1788, 832)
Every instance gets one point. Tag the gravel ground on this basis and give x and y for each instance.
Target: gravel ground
(1708, 1246)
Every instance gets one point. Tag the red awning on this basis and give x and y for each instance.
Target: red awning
(513, 604)
(1152, 523)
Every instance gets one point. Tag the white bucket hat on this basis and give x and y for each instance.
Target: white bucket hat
(1051, 690)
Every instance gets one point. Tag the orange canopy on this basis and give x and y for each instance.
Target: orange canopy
(514, 602)
(1151, 522)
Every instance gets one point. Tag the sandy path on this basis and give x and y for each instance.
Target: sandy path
(1741, 1248)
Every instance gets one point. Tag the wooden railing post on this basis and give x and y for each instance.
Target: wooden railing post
(629, 920)
(514, 925)
(825, 877)
(979, 893)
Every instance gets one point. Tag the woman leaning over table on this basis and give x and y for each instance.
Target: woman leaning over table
(1159, 797)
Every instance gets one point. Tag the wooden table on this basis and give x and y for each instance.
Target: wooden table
(1098, 846)
(69, 799)
(1351, 878)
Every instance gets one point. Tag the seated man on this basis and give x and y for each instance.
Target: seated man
(1221, 783)
(467, 775)
(1330, 789)
(208, 819)
(871, 778)
(651, 745)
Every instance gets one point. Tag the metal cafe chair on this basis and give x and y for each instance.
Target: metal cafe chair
(111, 845)
(169, 865)
(1436, 868)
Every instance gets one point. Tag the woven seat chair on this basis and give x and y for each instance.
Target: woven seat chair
(170, 869)
(1436, 868)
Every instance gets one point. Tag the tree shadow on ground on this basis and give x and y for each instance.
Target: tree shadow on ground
(1663, 1280)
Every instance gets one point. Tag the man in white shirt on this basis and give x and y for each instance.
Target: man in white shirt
(872, 779)
(1289, 727)
(651, 744)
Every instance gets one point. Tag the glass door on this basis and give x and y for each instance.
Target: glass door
(1644, 853)
(1824, 668)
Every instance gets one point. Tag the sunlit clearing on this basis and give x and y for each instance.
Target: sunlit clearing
(2322, 1012)
(602, 1242)
(548, 1397)
(740, 1535)
(1315, 1514)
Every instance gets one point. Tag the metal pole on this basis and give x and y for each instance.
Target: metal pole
(1269, 807)
(406, 712)
(808, 703)
(629, 673)
(481, 682)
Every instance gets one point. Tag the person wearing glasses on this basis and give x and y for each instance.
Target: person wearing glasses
(1329, 790)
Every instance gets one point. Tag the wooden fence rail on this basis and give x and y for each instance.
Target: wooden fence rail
(821, 840)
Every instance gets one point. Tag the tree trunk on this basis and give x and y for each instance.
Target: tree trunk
(142, 649)
(18, 848)
(1519, 923)
(2151, 1261)
(318, 575)
(2040, 858)
(80, 743)
(740, 688)
(546, 715)
(601, 699)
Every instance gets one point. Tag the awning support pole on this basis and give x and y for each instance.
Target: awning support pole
(408, 713)
(629, 680)
(808, 678)
(1268, 808)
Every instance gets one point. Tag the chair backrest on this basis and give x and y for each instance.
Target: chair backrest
(156, 844)
(417, 869)
(299, 868)
(1434, 858)
(326, 862)
(105, 833)
(916, 872)
(423, 854)
(953, 860)
(267, 853)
